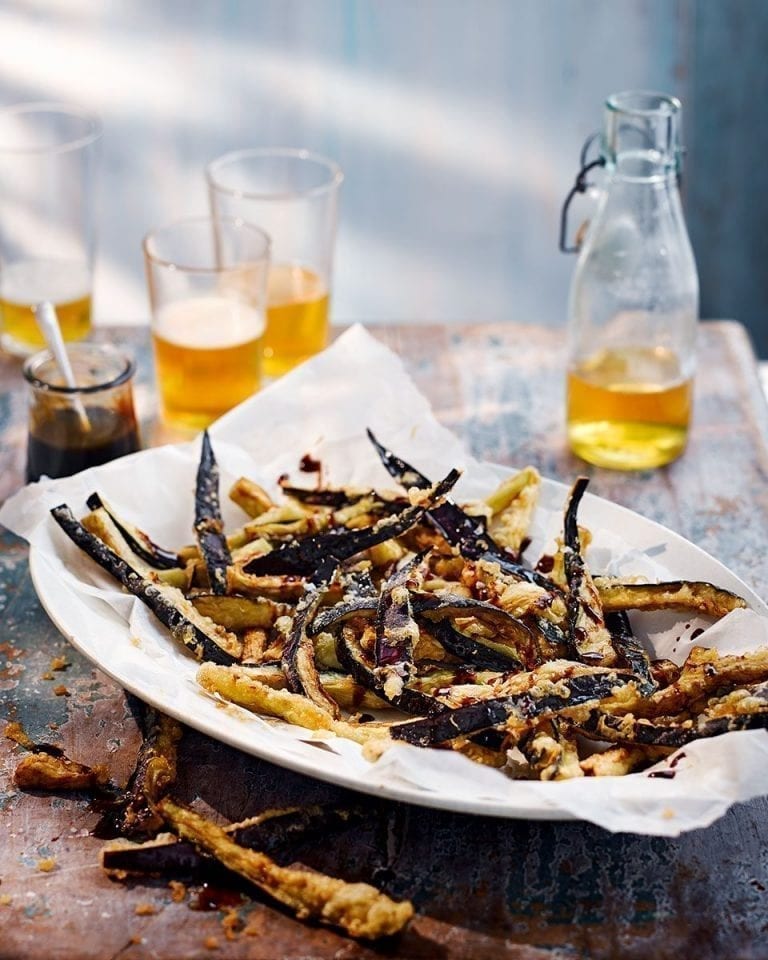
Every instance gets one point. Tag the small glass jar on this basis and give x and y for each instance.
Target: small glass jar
(72, 428)
(634, 297)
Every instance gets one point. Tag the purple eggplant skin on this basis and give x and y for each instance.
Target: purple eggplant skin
(473, 717)
(473, 651)
(460, 529)
(350, 656)
(303, 557)
(631, 651)
(336, 499)
(395, 626)
(141, 544)
(154, 596)
(298, 658)
(209, 528)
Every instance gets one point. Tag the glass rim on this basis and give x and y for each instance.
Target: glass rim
(335, 173)
(45, 356)
(237, 222)
(666, 104)
(62, 109)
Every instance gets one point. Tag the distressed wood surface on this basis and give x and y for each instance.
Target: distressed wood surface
(483, 888)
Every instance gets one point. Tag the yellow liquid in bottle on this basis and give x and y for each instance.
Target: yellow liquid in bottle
(24, 284)
(297, 317)
(629, 409)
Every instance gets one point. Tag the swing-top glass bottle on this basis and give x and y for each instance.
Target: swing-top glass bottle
(634, 297)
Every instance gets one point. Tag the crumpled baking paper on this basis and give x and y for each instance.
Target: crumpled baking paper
(323, 408)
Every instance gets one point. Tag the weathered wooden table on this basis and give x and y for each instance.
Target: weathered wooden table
(483, 888)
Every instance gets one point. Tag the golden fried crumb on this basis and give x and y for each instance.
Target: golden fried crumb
(53, 725)
(211, 943)
(145, 909)
(47, 675)
(178, 891)
(668, 813)
(46, 865)
(61, 691)
(14, 731)
(255, 926)
(5, 899)
(136, 939)
(59, 663)
(231, 923)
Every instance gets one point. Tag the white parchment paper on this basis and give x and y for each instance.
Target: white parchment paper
(322, 409)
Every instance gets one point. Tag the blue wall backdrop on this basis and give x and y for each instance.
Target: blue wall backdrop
(458, 123)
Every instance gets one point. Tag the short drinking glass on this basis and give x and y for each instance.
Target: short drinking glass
(293, 195)
(207, 289)
(48, 161)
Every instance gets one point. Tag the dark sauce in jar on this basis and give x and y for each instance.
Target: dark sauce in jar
(58, 446)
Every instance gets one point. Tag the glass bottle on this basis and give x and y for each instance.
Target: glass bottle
(634, 297)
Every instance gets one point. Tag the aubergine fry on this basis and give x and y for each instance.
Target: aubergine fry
(631, 651)
(358, 908)
(396, 630)
(204, 638)
(466, 532)
(391, 689)
(477, 651)
(134, 815)
(298, 660)
(303, 557)
(209, 528)
(140, 543)
(683, 595)
(587, 633)
(274, 832)
(545, 700)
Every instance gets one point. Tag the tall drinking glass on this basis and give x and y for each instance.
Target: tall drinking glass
(48, 160)
(207, 288)
(293, 195)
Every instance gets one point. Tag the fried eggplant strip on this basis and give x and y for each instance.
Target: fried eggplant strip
(743, 709)
(298, 659)
(631, 651)
(545, 699)
(588, 635)
(461, 530)
(209, 528)
(250, 497)
(47, 771)
(359, 909)
(101, 524)
(621, 760)
(351, 657)
(204, 638)
(272, 832)
(303, 557)
(396, 630)
(139, 542)
(155, 772)
(239, 613)
(551, 753)
(692, 596)
(478, 651)
(238, 686)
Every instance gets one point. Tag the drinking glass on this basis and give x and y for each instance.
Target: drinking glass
(293, 195)
(207, 289)
(71, 428)
(48, 160)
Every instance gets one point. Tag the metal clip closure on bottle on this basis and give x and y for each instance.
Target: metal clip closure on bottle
(634, 295)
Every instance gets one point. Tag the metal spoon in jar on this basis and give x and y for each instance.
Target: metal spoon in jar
(48, 322)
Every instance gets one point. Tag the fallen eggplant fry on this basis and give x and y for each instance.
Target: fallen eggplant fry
(337, 600)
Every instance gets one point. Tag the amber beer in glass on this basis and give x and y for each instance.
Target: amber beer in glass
(48, 159)
(293, 196)
(207, 288)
